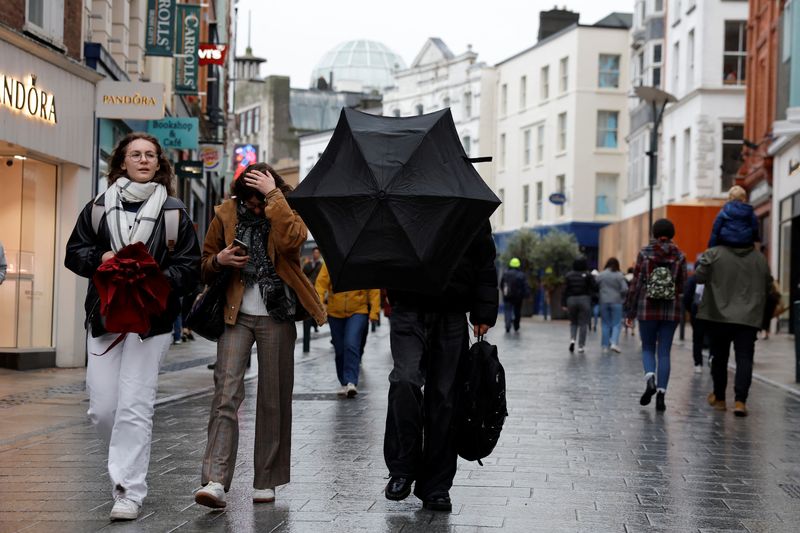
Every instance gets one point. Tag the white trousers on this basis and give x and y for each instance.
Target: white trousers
(122, 393)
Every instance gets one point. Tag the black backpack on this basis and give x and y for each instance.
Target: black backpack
(481, 408)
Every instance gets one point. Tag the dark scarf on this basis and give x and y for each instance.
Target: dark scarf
(279, 299)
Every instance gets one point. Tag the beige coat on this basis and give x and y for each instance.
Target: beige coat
(286, 236)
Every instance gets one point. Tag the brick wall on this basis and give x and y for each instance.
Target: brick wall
(73, 19)
(12, 13)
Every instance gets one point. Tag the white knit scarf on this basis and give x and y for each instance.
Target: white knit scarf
(152, 194)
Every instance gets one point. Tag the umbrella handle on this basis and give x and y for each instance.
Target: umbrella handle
(485, 159)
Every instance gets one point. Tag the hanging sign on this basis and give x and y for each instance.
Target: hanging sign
(129, 99)
(211, 155)
(179, 133)
(558, 198)
(211, 54)
(186, 42)
(243, 156)
(160, 34)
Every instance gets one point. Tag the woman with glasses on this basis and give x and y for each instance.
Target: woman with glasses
(256, 236)
(122, 381)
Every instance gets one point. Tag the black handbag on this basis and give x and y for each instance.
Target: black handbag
(207, 317)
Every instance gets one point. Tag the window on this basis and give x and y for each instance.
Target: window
(607, 127)
(504, 99)
(637, 69)
(501, 212)
(563, 74)
(690, 61)
(240, 120)
(539, 199)
(467, 105)
(659, 6)
(609, 71)
(525, 202)
(396, 112)
(502, 151)
(46, 18)
(733, 70)
(523, 92)
(635, 177)
(560, 186)
(676, 15)
(673, 147)
(467, 141)
(420, 109)
(562, 132)
(687, 152)
(540, 143)
(676, 66)
(605, 197)
(248, 122)
(544, 83)
(656, 66)
(732, 136)
(786, 31)
(526, 148)
(256, 120)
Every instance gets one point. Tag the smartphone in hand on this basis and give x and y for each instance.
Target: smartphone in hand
(242, 247)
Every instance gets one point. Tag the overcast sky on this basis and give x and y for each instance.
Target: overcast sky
(294, 34)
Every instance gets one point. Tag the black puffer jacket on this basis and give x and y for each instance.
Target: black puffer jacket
(85, 250)
(472, 288)
(578, 284)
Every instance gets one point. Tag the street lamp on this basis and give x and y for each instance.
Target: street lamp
(658, 101)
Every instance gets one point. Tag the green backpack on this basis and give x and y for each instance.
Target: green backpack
(661, 283)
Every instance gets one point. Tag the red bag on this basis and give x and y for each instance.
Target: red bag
(132, 288)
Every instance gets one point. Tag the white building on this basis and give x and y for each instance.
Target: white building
(562, 117)
(704, 57)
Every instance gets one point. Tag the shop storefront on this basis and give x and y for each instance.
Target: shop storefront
(46, 132)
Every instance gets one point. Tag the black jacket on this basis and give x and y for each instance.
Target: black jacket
(472, 288)
(578, 284)
(181, 266)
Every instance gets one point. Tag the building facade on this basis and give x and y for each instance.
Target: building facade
(561, 109)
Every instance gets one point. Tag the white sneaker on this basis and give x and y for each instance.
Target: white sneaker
(212, 495)
(342, 391)
(698, 369)
(351, 390)
(615, 348)
(263, 495)
(124, 509)
(581, 349)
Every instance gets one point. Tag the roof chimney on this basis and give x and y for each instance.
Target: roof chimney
(555, 20)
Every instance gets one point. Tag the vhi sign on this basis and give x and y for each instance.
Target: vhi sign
(211, 54)
(27, 99)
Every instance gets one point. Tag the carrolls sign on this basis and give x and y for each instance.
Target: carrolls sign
(186, 43)
(25, 98)
(160, 34)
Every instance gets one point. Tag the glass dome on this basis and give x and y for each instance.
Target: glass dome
(360, 66)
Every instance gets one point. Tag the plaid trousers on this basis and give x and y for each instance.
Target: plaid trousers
(275, 342)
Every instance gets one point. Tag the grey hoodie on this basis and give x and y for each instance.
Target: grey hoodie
(737, 281)
(612, 287)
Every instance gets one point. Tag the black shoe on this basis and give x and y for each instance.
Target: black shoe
(398, 488)
(660, 405)
(211, 366)
(648, 391)
(438, 503)
(571, 346)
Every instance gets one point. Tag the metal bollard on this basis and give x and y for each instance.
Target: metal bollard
(796, 332)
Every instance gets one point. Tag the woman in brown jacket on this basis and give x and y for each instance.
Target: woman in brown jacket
(266, 293)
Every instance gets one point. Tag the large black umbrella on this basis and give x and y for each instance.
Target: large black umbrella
(393, 202)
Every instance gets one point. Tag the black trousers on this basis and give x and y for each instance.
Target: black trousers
(699, 331)
(420, 441)
(744, 345)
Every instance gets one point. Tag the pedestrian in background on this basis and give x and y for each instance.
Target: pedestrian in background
(612, 289)
(692, 296)
(625, 324)
(311, 269)
(595, 303)
(579, 289)
(515, 288)
(122, 383)
(429, 335)
(654, 298)
(773, 309)
(266, 292)
(349, 314)
(736, 224)
(3, 264)
(737, 282)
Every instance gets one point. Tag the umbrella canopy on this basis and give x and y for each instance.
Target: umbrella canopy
(393, 202)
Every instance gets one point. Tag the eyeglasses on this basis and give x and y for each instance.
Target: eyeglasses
(137, 156)
(253, 205)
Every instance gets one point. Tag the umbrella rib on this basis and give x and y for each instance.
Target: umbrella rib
(346, 257)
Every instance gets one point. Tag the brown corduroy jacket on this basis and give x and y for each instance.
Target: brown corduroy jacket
(286, 236)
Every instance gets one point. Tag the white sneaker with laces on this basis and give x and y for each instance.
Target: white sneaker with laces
(342, 391)
(698, 369)
(351, 390)
(581, 349)
(124, 509)
(615, 348)
(263, 495)
(212, 495)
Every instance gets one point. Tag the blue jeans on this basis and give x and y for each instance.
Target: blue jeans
(347, 334)
(612, 319)
(657, 337)
(512, 311)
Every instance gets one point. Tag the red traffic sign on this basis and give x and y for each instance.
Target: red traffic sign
(211, 54)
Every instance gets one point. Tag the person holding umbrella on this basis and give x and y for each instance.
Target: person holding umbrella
(349, 314)
(122, 381)
(256, 237)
